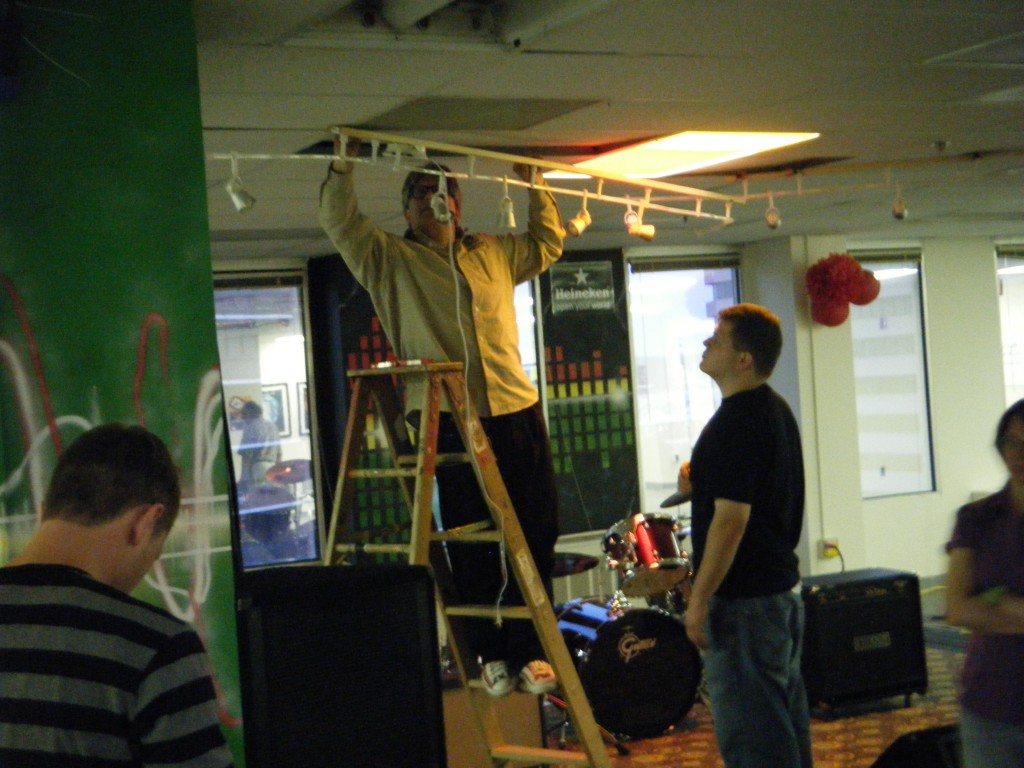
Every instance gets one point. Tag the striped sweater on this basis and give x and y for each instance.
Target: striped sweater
(93, 678)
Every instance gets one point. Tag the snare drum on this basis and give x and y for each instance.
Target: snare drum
(638, 668)
(657, 541)
(645, 550)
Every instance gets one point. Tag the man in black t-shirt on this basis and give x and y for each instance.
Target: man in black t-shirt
(747, 484)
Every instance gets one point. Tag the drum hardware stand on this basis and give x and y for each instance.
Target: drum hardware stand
(619, 602)
(563, 726)
(414, 467)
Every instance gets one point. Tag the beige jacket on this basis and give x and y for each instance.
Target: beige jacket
(422, 306)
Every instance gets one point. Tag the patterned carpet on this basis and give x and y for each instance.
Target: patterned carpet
(852, 737)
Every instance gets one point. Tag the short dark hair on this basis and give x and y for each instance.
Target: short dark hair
(1015, 411)
(251, 410)
(757, 331)
(414, 177)
(109, 470)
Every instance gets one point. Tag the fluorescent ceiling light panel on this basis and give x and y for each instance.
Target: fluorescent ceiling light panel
(686, 151)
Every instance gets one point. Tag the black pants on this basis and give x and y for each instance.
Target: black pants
(523, 452)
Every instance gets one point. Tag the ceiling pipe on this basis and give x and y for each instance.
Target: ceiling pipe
(404, 14)
(525, 20)
(881, 165)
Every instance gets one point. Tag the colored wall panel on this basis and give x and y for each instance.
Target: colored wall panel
(589, 397)
(106, 303)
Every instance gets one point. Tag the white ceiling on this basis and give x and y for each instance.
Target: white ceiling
(923, 95)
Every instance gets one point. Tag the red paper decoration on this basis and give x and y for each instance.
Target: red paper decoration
(829, 314)
(869, 288)
(834, 282)
(834, 279)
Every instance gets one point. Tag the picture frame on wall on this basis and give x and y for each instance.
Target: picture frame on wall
(276, 408)
(303, 399)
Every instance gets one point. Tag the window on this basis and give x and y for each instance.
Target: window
(673, 308)
(1010, 266)
(893, 422)
(526, 320)
(262, 342)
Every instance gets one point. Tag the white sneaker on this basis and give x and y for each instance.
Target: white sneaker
(537, 677)
(496, 679)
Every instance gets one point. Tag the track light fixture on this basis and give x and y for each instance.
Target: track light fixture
(242, 200)
(578, 223)
(399, 151)
(899, 208)
(772, 217)
(689, 202)
(506, 215)
(643, 231)
(635, 224)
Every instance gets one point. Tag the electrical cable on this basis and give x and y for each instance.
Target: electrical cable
(842, 560)
(439, 199)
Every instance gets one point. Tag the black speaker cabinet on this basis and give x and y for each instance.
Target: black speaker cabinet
(863, 637)
(933, 747)
(339, 667)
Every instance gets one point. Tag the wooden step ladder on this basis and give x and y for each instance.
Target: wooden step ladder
(413, 466)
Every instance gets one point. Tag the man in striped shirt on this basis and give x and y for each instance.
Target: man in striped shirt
(90, 676)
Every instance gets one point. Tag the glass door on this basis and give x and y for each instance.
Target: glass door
(673, 306)
(261, 335)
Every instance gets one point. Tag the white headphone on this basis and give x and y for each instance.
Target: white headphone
(439, 202)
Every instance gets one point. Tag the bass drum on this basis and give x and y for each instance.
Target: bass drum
(638, 668)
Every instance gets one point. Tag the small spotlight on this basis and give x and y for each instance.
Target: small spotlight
(578, 223)
(508, 214)
(772, 217)
(243, 200)
(635, 225)
(899, 208)
(643, 231)
(581, 220)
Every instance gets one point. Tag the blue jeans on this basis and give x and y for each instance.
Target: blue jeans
(989, 743)
(752, 668)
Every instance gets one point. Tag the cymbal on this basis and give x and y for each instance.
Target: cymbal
(675, 499)
(571, 563)
(293, 471)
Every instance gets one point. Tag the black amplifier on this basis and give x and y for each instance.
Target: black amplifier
(863, 637)
(937, 747)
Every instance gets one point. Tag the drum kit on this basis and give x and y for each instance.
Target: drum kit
(276, 516)
(638, 668)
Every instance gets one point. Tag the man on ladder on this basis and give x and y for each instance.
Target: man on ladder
(444, 295)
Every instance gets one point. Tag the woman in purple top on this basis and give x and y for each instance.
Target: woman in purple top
(986, 595)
